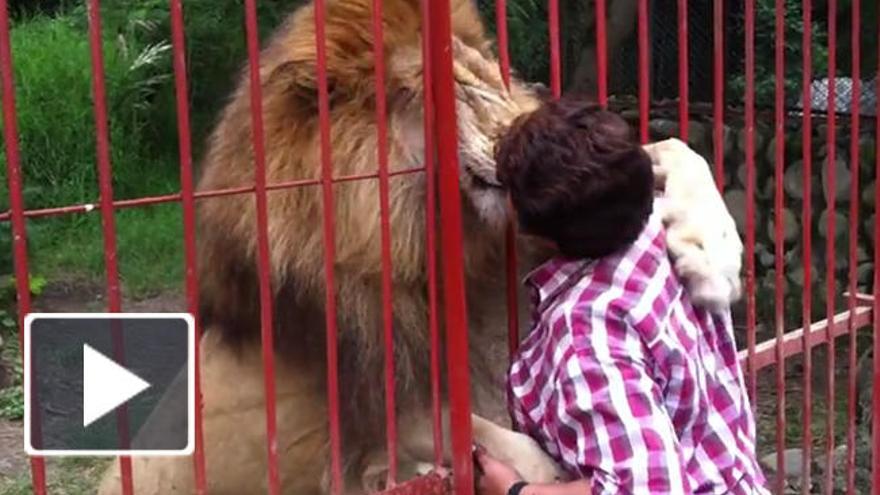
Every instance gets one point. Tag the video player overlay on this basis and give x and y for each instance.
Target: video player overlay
(109, 384)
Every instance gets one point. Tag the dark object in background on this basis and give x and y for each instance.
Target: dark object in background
(21, 8)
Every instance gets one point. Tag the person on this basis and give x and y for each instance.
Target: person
(629, 386)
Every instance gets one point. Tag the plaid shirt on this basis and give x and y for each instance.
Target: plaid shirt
(626, 383)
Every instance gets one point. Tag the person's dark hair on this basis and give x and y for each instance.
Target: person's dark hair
(577, 177)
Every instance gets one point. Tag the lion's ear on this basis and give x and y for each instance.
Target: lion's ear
(298, 80)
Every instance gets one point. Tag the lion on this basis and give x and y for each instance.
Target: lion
(233, 413)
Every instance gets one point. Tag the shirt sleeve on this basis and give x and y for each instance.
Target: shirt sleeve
(610, 421)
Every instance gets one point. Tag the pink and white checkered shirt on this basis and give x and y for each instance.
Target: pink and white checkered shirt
(623, 381)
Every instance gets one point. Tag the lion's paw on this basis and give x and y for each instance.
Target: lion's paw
(374, 478)
(708, 287)
(530, 461)
(707, 254)
(425, 468)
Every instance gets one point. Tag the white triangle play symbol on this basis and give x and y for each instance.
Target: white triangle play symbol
(106, 385)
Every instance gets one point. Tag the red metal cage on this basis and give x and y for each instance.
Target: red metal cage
(440, 132)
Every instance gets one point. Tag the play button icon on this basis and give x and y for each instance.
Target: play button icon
(109, 384)
(106, 385)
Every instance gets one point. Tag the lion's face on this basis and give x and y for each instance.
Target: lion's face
(486, 108)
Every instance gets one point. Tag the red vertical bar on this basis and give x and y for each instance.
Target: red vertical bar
(854, 198)
(750, 193)
(187, 198)
(718, 91)
(16, 205)
(875, 418)
(264, 267)
(601, 53)
(512, 286)
(329, 216)
(807, 215)
(108, 223)
(683, 70)
(510, 234)
(555, 62)
(644, 72)
(431, 233)
(779, 246)
(503, 51)
(830, 245)
(385, 226)
(451, 243)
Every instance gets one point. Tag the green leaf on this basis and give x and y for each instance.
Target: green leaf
(37, 284)
(12, 403)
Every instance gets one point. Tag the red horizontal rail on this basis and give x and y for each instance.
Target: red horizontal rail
(819, 333)
(176, 197)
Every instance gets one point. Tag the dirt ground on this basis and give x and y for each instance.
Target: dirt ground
(11, 460)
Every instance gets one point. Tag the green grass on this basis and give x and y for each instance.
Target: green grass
(57, 141)
(12, 397)
(149, 246)
(56, 127)
(66, 476)
(56, 120)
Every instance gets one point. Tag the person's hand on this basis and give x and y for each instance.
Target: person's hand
(495, 477)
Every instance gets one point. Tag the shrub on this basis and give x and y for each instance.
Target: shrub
(55, 112)
(57, 132)
(216, 52)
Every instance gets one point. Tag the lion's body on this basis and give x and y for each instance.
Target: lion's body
(227, 226)
(234, 427)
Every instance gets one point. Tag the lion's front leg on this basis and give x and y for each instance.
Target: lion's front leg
(518, 451)
(515, 449)
(701, 235)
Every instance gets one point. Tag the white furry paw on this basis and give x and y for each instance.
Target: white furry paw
(374, 479)
(707, 254)
(708, 287)
(700, 233)
(426, 468)
(529, 460)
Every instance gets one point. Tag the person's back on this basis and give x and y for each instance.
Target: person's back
(620, 333)
(622, 379)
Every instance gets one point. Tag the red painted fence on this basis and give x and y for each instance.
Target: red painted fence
(440, 130)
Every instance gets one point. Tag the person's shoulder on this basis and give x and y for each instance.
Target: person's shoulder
(642, 263)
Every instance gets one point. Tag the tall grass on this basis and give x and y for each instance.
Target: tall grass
(57, 140)
(56, 119)
(57, 130)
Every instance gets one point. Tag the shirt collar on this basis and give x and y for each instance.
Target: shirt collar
(559, 273)
(554, 276)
